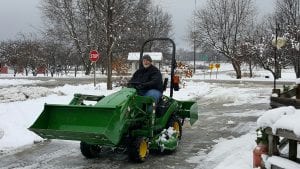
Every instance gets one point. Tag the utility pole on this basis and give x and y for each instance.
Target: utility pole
(297, 38)
(194, 38)
(275, 56)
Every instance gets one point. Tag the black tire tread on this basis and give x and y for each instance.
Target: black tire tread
(88, 150)
(134, 150)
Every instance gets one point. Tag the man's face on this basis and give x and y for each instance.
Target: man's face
(146, 63)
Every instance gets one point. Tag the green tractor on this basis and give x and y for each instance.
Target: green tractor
(120, 120)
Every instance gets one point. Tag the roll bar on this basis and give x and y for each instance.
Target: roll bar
(173, 63)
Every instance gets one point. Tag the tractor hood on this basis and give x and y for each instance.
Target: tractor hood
(116, 99)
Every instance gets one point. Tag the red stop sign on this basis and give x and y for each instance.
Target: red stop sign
(94, 56)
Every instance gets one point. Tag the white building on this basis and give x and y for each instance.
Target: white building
(134, 57)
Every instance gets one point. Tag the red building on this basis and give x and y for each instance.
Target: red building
(4, 70)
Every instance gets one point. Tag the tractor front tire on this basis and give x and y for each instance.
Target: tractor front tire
(175, 123)
(139, 149)
(89, 150)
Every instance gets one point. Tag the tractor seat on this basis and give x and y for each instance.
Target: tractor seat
(162, 107)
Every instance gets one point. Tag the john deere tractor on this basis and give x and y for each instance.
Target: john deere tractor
(120, 120)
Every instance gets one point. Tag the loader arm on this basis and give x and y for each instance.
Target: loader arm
(188, 109)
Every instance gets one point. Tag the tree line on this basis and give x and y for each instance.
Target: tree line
(72, 28)
(232, 28)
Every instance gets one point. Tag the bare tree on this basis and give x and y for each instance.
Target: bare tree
(112, 26)
(222, 24)
(287, 11)
(66, 18)
(267, 54)
(3, 53)
(110, 16)
(288, 15)
(23, 54)
(9, 53)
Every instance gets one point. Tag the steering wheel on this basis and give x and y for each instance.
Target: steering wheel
(133, 84)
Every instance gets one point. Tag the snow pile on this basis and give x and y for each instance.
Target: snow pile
(235, 96)
(20, 93)
(281, 118)
(14, 82)
(231, 149)
(191, 90)
(234, 154)
(17, 116)
(280, 162)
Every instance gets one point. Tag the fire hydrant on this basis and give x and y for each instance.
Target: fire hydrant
(257, 152)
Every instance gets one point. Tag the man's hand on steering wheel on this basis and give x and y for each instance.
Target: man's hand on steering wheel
(136, 85)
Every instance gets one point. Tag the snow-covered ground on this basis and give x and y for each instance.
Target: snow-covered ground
(20, 106)
(225, 72)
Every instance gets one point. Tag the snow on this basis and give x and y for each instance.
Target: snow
(281, 118)
(281, 162)
(165, 136)
(12, 82)
(19, 93)
(16, 116)
(21, 105)
(229, 154)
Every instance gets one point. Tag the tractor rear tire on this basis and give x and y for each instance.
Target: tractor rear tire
(89, 150)
(175, 123)
(139, 150)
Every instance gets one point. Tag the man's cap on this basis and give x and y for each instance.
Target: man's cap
(147, 57)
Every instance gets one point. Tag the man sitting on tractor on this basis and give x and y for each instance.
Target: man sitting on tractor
(148, 79)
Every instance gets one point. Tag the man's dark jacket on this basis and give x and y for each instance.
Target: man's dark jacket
(150, 78)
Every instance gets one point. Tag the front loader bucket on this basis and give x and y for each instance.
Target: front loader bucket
(189, 109)
(94, 125)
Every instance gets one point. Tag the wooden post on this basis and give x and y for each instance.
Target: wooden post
(275, 143)
(277, 91)
(270, 140)
(292, 150)
(298, 92)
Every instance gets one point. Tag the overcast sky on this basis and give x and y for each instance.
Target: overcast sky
(18, 16)
(24, 16)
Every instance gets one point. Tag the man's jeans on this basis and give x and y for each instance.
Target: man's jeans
(156, 94)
